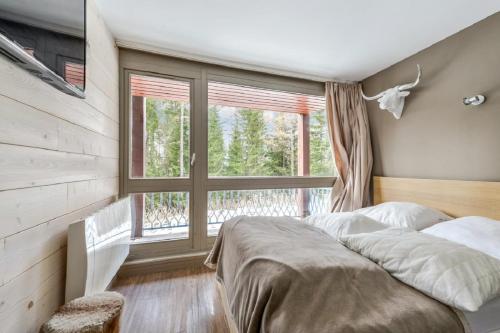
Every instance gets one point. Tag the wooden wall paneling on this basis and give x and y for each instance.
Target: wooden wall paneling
(16, 83)
(26, 167)
(29, 314)
(102, 71)
(98, 72)
(58, 163)
(24, 125)
(21, 291)
(102, 64)
(23, 250)
(98, 99)
(81, 194)
(102, 91)
(72, 138)
(100, 39)
(26, 208)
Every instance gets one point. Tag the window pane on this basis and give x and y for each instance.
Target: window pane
(321, 159)
(259, 132)
(223, 205)
(161, 214)
(247, 142)
(160, 127)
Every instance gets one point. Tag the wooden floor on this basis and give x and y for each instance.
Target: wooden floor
(172, 302)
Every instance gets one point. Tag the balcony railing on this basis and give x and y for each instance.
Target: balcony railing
(223, 205)
(165, 210)
(168, 212)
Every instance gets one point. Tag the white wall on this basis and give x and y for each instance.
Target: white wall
(58, 163)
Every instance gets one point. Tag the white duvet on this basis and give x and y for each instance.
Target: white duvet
(448, 272)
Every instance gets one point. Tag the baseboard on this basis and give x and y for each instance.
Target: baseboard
(162, 264)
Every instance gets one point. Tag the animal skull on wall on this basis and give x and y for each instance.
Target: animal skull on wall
(393, 99)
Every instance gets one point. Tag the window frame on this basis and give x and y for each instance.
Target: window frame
(146, 247)
(199, 183)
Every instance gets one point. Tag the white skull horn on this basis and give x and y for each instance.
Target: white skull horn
(412, 84)
(373, 97)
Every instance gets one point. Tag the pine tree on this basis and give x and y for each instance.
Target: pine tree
(177, 144)
(153, 139)
(294, 154)
(253, 133)
(216, 149)
(235, 156)
(172, 145)
(281, 154)
(321, 154)
(167, 138)
(186, 152)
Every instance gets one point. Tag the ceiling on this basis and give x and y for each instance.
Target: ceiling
(317, 39)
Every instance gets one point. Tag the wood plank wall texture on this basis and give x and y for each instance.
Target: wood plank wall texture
(58, 163)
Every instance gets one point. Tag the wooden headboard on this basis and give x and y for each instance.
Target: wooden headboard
(456, 198)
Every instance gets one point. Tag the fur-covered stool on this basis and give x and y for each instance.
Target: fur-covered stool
(98, 313)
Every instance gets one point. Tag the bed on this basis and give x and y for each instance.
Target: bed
(281, 275)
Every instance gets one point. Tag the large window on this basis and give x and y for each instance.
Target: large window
(261, 132)
(160, 127)
(205, 144)
(255, 132)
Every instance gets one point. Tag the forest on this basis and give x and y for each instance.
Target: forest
(241, 141)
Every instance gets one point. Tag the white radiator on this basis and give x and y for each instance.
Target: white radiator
(96, 249)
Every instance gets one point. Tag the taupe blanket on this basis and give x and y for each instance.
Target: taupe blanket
(285, 276)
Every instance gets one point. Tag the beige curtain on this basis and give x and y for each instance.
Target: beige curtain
(351, 145)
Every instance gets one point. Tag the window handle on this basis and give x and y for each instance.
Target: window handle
(193, 159)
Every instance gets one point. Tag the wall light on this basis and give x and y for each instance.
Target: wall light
(474, 100)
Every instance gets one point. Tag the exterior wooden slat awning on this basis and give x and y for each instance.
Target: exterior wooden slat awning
(225, 94)
(155, 87)
(74, 73)
(262, 99)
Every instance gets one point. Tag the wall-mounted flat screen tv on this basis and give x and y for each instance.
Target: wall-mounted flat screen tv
(47, 38)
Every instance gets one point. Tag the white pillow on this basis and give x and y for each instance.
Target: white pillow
(404, 214)
(337, 224)
(479, 233)
(446, 271)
